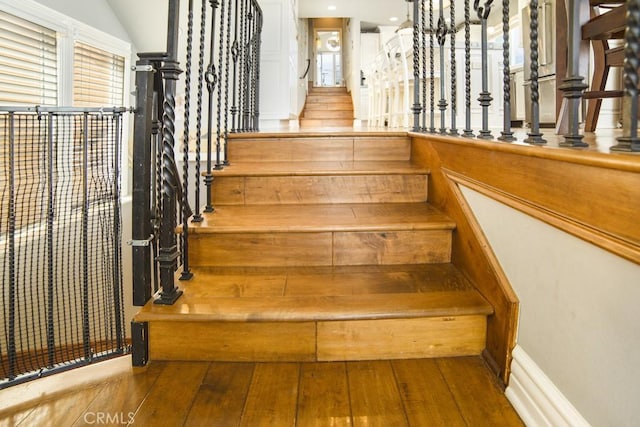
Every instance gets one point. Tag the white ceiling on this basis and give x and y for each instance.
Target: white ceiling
(375, 12)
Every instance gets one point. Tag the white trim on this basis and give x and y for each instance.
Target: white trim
(536, 399)
(43, 388)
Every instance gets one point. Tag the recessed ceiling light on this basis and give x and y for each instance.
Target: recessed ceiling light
(393, 19)
(332, 7)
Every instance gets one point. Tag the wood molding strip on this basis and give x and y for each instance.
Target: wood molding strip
(610, 242)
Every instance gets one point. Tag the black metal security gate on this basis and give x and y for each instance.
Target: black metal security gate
(60, 240)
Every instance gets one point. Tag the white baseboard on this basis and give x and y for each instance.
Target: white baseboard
(536, 399)
(43, 388)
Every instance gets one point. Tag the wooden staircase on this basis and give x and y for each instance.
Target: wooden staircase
(322, 248)
(327, 107)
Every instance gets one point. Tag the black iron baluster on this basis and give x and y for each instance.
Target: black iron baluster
(468, 132)
(197, 216)
(211, 79)
(631, 142)
(432, 83)
(485, 96)
(86, 337)
(454, 81)
(11, 339)
(423, 31)
(243, 64)
(235, 53)
(227, 50)
(441, 33)
(51, 341)
(246, 110)
(534, 136)
(573, 85)
(219, 135)
(256, 110)
(506, 134)
(417, 108)
(186, 271)
(117, 234)
(168, 252)
(157, 132)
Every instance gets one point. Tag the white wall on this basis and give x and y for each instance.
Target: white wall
(579, 313)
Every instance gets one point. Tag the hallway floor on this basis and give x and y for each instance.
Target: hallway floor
(424, 392)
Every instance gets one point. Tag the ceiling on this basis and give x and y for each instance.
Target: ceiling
(372, 13)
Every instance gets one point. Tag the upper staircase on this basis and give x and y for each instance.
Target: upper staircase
(321, 247)
(327, 107)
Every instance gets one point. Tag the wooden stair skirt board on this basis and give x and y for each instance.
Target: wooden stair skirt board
(320, 314)
(321, 247)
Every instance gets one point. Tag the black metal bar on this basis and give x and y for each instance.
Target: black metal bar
(86, 336)
(246, 107)
(211, 80)
(506, 135)
(51, 341)
(197, 216)
(139, 343)
(235, 53)
(417, 107)
(168, 253)
(631, 142)
(534, 136)
(485, 96)
(117, 234)
(441, 33)
(219, 133)
(11, 344)
(467, 132)
(186, 272)
(256, 86)
(432, 85)
(141, 195)
(227, 66)
(423, 30)
(454, 81)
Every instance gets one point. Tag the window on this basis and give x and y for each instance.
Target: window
(28, 62)
(98, 77)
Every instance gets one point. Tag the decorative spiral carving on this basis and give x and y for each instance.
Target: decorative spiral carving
(505, 51)
(454, 83)
(170, 180)
(483, 11)
(467, 66)
(432, 87)
(632, 49)
(535, 96)
(441, 31)
(423, 20)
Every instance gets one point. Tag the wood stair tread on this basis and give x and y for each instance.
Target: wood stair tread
(321, 168)
(324, 217)
(322, 294)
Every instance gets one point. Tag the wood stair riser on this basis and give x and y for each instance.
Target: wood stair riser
(319, 149)
(329, 114)
(319, 189)
(334, 99)
(318, 341)
(330, 106)
(291, 249)
(326, 123)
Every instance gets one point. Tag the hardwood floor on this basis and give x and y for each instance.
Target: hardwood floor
(419, 392)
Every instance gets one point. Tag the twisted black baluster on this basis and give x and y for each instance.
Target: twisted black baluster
(468, 132)
(417, 108)
(631, 142)
(432, 86)
(485, 96)
(235, 54)
(442, 37)
(260, 25)
(506, 134)
(227, 64)
(197, 217)
(211, 78)
(423, 29)
(219, 133)
(454, 81)
(534, 136)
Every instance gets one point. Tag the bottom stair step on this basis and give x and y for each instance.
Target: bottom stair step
(326, 313)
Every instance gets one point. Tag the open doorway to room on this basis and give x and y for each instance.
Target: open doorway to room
(328, 58)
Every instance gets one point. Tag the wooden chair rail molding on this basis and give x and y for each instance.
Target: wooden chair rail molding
(593, 196)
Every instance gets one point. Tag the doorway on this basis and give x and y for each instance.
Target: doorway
(328, 54)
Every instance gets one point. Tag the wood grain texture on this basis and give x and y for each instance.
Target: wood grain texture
(393, 247)
(272, 397)
(261, 249)
(375, 399)
(323, 398)
(232, 341)
(425, 393)
(157, 410)
(382, 148)
(471, 385)
(291, 149)
(222, 395)
(401, 338)
(471, 254)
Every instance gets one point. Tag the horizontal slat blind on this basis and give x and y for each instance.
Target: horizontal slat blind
(28, 62)
(98, 77)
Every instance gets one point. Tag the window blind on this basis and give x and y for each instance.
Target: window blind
(28, 62)
(98, 77)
